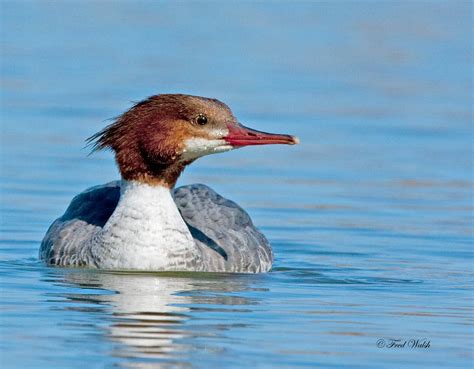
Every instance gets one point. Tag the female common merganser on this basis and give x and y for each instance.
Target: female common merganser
(140, 222)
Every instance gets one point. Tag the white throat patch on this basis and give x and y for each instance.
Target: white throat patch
(198, 146)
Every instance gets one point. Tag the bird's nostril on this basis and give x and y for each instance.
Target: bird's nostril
(252, 134)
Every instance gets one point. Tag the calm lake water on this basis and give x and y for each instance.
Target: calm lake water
(370, 217)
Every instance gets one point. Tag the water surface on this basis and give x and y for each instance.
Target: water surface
(370, 217)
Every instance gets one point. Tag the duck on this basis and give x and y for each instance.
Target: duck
(142, 222)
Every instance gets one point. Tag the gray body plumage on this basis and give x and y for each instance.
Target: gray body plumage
(223, 232)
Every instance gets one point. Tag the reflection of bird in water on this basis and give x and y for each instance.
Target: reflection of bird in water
(150, 312)
(145, 318)
(140, 223)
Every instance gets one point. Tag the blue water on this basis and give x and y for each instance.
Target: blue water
(370, 217)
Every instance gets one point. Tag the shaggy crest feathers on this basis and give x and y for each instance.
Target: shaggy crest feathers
(111, 136)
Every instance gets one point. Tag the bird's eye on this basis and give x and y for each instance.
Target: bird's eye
(201, 119)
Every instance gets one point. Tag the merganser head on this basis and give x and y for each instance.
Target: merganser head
(158, 137)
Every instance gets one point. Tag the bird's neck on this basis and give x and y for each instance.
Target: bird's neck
(143, 169)
(146, 230)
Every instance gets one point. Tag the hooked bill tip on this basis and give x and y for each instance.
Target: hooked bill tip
(296, 140)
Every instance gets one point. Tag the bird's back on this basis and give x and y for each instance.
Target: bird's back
(220, 224)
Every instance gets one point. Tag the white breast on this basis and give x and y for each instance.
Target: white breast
(145, 232)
